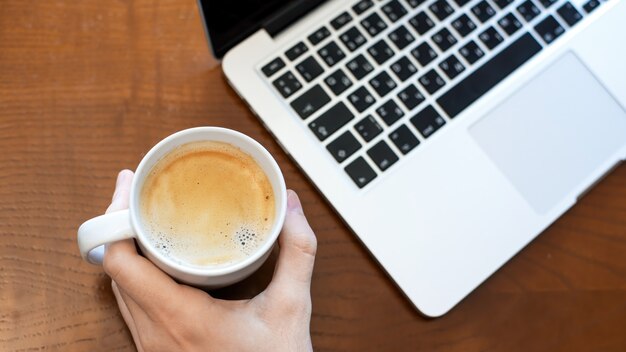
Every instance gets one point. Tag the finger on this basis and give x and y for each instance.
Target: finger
(121, 195)
(298, 246)
(129, 317)
(126, 314)
(146, 284)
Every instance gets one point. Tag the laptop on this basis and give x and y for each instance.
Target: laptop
(446, 133)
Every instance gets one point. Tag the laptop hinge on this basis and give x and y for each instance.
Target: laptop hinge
(288, 15)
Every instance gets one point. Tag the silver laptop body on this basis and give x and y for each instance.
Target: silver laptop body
(453, 144)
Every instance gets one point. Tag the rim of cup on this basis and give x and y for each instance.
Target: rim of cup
(146, 165)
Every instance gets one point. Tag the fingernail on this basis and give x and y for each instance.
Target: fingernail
(120, 178)
(293, 202)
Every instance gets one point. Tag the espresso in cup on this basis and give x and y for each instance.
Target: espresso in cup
(207, 204)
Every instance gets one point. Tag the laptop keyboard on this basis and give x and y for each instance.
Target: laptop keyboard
(381, 77)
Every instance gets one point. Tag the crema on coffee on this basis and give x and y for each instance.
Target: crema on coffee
(207, 204)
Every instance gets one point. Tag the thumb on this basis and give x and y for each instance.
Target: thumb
(297, 253)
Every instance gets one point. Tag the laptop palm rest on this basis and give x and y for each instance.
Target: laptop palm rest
(553, 133)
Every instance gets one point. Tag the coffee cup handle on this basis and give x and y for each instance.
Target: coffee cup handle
(93, 234)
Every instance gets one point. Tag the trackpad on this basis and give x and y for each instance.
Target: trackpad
(550, 135)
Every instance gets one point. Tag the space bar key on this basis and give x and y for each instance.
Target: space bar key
(487, 76)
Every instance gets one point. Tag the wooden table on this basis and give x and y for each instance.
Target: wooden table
(87, 87)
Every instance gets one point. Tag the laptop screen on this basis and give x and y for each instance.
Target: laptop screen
(230, 21)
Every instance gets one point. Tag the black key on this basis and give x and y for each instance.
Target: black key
(362, 6)
(463, 25)
(360, 172)
(415, 3)
(296, 51)
(491, 38)
(441, 9)
(528, 10)
(401, 37)
(380, 51)
(352, 38)
(451, 66)
(483, 11)
(382, 84)
(359, 66)
(338, 82)
(344, 146)
(424, 54)
(310, 102)
(549, 29)
(394, 10)
(287, 84)
(471, 52)
(368, 128)
(411, 97)
(341, 20)
(461, 3)
(431, 81)
(547, 3)
(330, 121)
(428, 121)
(404, 139)
(361, 99)
(510, 24)
(503, 3)
(444, 39)
(309, 69)
(273, 67)
(331, 54)
(591, 5)
(422, 23)
(487, 76)
(373, 24)
(403, 68)
(389, 112)
(569, 14)
(382, 155)
(319, 35)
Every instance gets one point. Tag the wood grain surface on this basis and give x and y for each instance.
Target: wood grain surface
(87, 87)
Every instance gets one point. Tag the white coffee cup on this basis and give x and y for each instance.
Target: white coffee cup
(125, 224)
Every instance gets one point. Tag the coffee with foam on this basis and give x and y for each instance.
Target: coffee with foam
(207, 204)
